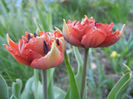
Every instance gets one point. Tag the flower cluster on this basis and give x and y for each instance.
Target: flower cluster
(46, 50)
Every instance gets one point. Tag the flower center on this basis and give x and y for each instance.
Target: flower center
(57, 41)
(74, 23)
(35, 34)
(45, 47)
(29, 37)
(96, 23)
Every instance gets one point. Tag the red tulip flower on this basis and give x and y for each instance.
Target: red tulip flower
(90, 34)
(42, 52)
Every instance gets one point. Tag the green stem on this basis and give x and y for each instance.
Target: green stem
(44, 83)
(36, 79)
(115, 65)
(84, 73)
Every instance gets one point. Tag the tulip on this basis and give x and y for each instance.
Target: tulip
(90, 34)
(41, 51)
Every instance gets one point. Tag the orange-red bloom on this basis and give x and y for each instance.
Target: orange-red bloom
(42, 52)
(90, 34)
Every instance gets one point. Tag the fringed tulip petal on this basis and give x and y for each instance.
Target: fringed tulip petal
(11, 43)
(93, 39)
(107, 28)
(36, 44)
(113, 38)
(30, 55)
(53, 58)
(17, 55)
(67, 31)
(57, 33)
(61, 45)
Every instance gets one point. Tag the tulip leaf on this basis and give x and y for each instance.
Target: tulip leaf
(3, 89)
(50, 73)
(67, 94)
(27, 92)
(80, 66)
(16, 88)
(78, 56)
(13, 97)
(50, 91)
(73, 85)
(35, 83)
(58, 93)
(121, 86)
(38, 90)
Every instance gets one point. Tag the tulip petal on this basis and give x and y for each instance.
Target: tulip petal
(36, 44)
(20, 45)
(93, 39)
(52, 59)
(57, 33)
(65, 28)
(59, 36)
(113, 38)
(11, 43)
(70, 34)
(41, 33)
(107, 28)
(16, 55)
(86, 21)
(61, 44)
(30, 55)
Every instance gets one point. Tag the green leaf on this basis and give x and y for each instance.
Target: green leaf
(50, 73)
(121, 86)
(13, 97)
(79, 60)
(58, 93)
(67, 94)
(27, 92)
(38, 89)
(73, 85)
(35, 83)
(78, 56)
(16, 88)
(3, 89)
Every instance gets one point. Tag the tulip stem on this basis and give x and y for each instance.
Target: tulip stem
(84, 74)
(44, 83)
